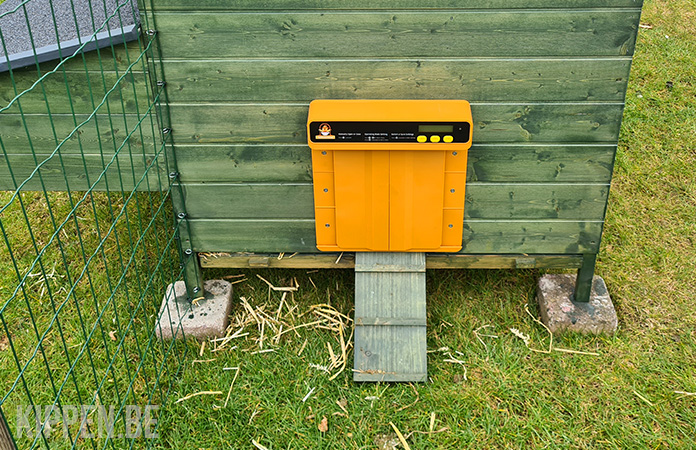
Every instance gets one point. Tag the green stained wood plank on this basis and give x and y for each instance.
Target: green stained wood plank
(253, 235)
(86, 90)
(540, 163)
(108, 59)
(424, 34)
(552, 236)
(545, 237)
(81, 174)
(347, 261)
(96, 136)
(249, 201)
(473, 80)
(225, 5)
(536, 201)
(483, 201)
(390, 317)
(487, 162)
(233, 163)
(285, 123)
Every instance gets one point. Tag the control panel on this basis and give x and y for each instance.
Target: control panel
(390, 132)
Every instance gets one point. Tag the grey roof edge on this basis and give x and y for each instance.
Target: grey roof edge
(102, 39)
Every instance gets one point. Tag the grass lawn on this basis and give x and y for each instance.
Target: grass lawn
(278, 388)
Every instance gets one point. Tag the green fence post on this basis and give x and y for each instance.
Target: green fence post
(583, 283)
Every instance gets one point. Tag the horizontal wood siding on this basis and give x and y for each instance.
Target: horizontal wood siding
(493, 122)
(512, 33)
(496, 163)
(288, 235)
(483, 201)
(79, 173)
(546, 80)
(477, 80)
(266, 5)
(50, 110)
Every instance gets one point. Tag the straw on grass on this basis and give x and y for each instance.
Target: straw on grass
(196, 394)
(400, 436)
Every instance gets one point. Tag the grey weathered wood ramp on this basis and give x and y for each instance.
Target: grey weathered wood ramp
(390, 318)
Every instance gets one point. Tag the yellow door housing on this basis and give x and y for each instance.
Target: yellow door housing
(389, 175)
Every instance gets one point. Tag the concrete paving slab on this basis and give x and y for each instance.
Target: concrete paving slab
(209, 318)
(561, 314)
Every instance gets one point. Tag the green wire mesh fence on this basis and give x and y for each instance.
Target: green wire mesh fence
(88, 239)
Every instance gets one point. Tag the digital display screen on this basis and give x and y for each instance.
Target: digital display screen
(435, 128)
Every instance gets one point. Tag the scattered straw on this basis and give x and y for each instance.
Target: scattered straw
(685, 394)
(268, 350)
(304, 344)
(480, 335)
(527, 339)
(259, 446)
(342, 404)
(275, 288)
(643, 398)
(400, 436)
(231, 384)
(196, 394)
(308, 394)
(199, 361)
(229, 277)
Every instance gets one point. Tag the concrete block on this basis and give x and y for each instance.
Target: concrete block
(560, 313)
(207, 319)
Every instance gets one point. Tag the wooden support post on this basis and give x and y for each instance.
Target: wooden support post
(583, 282)
(6, 441)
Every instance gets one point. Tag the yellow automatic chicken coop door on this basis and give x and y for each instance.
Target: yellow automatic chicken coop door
(389, 175)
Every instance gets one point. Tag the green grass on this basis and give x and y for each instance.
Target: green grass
(504, 395)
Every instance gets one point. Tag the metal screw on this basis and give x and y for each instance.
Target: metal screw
(324, 152)
(181, 215)
(151, 32)
(166, 130)
(196, 290)
(173, 175)
(452, 191)
(327, 225)
(326, 190)
(451, 226)
(188, 251)
(161, 83)
(454, 153)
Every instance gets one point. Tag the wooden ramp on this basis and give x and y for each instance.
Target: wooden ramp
(390, 318)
